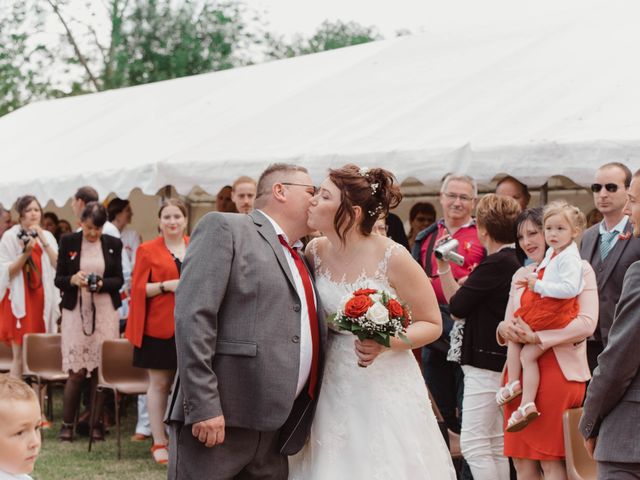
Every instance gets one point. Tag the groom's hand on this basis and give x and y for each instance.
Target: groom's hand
(210, 432)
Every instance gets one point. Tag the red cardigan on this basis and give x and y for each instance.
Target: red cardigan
(151, 316)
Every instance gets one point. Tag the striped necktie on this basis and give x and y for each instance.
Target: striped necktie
(606, 243)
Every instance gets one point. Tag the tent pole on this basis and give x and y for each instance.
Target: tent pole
(544, 194)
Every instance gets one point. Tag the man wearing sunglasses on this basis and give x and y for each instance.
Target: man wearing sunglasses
(610, 247)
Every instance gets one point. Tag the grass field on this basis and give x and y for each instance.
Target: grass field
(72, 460)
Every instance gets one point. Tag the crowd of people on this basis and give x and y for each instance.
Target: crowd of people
(527, 298)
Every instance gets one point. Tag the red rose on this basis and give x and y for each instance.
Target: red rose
(357, 306)
(365, 291)
(395, 309)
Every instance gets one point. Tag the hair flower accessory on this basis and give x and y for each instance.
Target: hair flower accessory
(375, 211)
(363, 171)
(374, 188)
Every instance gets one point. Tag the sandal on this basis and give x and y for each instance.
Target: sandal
(160, 454)
(515, 423)
(508, 393)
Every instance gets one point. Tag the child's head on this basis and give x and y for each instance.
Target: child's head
(19, 426)
(562, 224)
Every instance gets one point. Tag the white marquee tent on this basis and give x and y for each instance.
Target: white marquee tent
(556, 96)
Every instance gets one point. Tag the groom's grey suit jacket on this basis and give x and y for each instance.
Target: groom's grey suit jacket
(612, 408)
(238, 331)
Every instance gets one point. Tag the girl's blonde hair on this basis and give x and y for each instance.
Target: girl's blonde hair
(573, 214)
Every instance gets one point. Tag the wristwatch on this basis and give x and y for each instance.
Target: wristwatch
(162, 290)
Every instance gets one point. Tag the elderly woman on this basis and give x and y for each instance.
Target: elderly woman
(28, 255)
(482, 301)
(89, 274)
(564, 369)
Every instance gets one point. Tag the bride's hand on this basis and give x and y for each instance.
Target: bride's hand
(367, 351)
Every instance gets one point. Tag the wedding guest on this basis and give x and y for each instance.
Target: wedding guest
(243, 194)
(549, 302)
(151, 326)
(120, 214)
(380, 227)
(20, 436)
(457, 197)
(609, 247)
(609, 419)
(89, 273)
(482, 301)
(64, 227)
(593, 217)
(224, 203)
(395, 230)
(28, 255)
(563, 366)
(421, 216)
(5, 221)
(515, 189)
(50, 223)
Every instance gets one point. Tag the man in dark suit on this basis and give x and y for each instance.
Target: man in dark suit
(609, 421)
(249, 338)
(610, 248)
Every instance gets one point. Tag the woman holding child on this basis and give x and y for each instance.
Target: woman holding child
(560, 353)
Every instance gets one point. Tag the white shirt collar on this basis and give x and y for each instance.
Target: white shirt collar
(298, 245)
(618, 228)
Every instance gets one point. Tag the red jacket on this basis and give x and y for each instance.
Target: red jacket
(152, 316)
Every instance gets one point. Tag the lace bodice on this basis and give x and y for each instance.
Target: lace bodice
(333, 291)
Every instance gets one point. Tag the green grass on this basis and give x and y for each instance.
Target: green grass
(60, 460)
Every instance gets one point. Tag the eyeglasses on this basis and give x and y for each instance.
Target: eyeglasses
(454, 197)
(610, 187)
(312, 187)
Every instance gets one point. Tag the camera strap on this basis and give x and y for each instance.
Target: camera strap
(93, 316)
(427, 259)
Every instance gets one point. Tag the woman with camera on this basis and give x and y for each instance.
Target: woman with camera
(482, 301)
(89, 274)
(151, 326)
(28, 255)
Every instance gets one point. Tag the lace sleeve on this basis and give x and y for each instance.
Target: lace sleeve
(313, 248)
(383, 266)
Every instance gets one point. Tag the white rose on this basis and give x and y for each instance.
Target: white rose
(376, 297)
(378, 314)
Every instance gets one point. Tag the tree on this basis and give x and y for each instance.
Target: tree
(22, 61)
(328, 36)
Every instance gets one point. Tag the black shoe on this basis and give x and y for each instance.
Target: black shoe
(66, 432)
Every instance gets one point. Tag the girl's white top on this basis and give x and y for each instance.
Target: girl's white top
(563, 276)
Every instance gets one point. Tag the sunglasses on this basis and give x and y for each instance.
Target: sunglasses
(610, 187)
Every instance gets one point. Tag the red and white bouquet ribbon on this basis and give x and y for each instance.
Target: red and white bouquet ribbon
(373, 314)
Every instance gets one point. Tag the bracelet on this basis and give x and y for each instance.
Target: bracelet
(162, 290)
(445, 272)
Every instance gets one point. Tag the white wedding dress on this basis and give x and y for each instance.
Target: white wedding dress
(373, 423)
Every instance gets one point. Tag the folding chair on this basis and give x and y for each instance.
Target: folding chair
(42, 360)
(117, 373)
(579, 465)
(6, 357)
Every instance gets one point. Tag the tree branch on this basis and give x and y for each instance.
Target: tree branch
(74, 44)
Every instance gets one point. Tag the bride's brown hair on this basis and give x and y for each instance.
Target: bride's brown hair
(374, 190)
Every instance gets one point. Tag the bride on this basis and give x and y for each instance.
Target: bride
(374, 422)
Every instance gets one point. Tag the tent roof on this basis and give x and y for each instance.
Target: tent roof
(554, 97)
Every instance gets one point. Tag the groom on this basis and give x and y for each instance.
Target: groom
(249, 336)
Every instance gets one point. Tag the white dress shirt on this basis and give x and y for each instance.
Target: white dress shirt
(306, 344)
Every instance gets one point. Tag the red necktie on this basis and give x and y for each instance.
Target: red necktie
(313, 317)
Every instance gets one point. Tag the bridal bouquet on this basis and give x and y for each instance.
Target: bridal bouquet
(373, 314)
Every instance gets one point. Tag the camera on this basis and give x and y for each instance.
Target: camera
(25, 236)
(92, 281)
(447, 252)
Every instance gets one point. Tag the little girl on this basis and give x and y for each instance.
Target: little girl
(549, 302)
